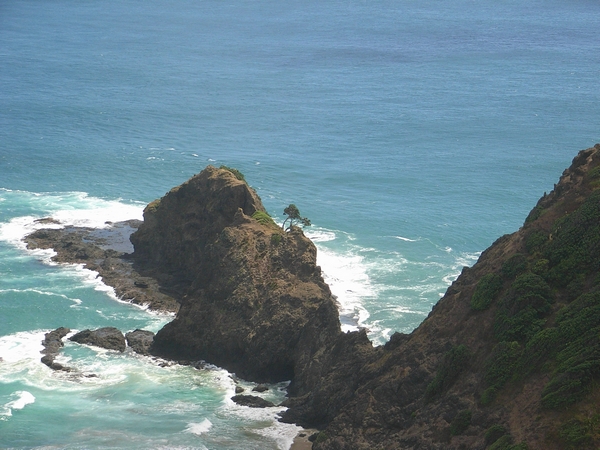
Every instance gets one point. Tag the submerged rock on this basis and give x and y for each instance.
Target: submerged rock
(252, 401)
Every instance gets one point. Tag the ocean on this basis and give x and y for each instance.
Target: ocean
(412, 134)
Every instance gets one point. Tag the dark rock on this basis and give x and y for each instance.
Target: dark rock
(252, 304)
(140, 341)
(105, 251)
(239, 389)
(252, 401)
(47, 220)
(107, 337)
(260, 388)
(52, 344)
(53, 341)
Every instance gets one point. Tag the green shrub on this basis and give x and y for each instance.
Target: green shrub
(534, 214)
(453, 363)
(575, 434)
(521, 311)
(563, 390)
(575, 288)
(239, 175)
(535, 240)
(321, 437)
(276, 239)
(503, 443)
(501, 363)
(575, 246)
(514, 265)
(486, 291)
(153, 206)
(541, 347)
(494, 433)
(264, 219)
(540, 267)
(460, 422)
(488, 396)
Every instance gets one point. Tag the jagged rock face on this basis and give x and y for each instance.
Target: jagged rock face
(108, 337)
(140, 341)
(253, 299)
(178, 227)
(508, 358)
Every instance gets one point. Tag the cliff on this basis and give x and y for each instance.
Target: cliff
(508, 359)
(252, 297)
(510, 356)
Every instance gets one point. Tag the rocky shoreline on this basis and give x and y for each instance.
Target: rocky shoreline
(475, 374)
(104, 251)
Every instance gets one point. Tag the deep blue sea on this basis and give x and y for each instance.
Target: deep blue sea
(412, 134)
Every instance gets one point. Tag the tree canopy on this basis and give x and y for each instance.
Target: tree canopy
(293, 217)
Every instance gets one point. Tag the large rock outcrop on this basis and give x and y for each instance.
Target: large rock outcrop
(252, 297)
(510, 356)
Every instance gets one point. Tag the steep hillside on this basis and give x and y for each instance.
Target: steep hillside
(510, 357)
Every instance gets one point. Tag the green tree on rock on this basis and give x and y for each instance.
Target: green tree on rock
(293, 218)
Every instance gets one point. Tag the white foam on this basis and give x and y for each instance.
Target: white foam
(76, 301)
(20, 346)
(347, 277)
(21, 399)
(199, 428)
(405, 239)
(75, 209)
(282, 434)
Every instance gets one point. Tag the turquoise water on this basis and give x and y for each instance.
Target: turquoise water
(411, 134)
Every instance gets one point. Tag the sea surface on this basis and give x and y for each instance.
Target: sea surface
(412, 134)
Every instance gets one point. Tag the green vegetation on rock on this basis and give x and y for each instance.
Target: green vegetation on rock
(461, 422)
(239, 175)
(293, 216)
(522, 309)
(453, 363)
(514, 266)
(486, 291)
(264, 219)
(579, 434)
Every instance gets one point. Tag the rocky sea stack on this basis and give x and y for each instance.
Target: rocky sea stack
(252, 297)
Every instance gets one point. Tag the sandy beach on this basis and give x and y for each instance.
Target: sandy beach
(301, 441)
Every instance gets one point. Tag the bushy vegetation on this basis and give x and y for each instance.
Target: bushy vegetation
(500, 367)
(580, 434)
(575, 246)
(153, 206)
(264, 219)
(494, 433)
(514, 266)
(506, 443)
(461, 422)
(577, 352)
(239, 175)
(535, 240)
(486, 291)
(522, 309)
(563, 265)
(453, 363)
